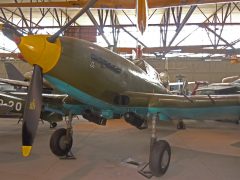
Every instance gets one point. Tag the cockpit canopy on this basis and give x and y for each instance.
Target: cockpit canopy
(151, 72)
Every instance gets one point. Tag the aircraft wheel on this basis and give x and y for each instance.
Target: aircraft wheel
(53, 125)
(160, 158)
(181, 125)
(59, 144)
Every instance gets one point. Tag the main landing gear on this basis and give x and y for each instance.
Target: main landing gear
(160, 154)
(61, 140)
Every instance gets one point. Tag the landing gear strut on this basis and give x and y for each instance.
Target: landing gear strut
(160, 154)
(61, 140)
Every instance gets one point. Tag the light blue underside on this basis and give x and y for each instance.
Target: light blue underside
(223, 112)
(90, 101)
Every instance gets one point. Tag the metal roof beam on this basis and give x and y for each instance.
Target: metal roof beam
(112, 4)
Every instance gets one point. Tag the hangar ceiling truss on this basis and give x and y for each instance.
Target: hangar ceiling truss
(214, 21)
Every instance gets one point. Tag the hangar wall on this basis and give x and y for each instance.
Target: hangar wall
(197, 69)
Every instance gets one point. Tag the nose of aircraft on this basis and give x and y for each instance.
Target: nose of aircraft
(36, 50)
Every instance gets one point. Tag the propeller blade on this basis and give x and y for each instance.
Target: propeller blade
(32, 111)
(11, 32)
(88, 5)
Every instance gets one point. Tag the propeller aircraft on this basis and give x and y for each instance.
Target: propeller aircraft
(106, 84)
(220, 88)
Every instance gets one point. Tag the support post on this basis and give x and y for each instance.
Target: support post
(69, 124)
(154, 131)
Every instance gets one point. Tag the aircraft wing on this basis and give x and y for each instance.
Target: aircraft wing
(22, 83)
(13, 103)
(187, 107)
(218, 89)
(47, 98)
(15, 82)
(181, 101)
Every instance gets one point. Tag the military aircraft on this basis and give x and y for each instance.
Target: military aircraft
(220, 88)
(105, 84)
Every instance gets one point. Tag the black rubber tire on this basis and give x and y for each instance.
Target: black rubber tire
(53, 125)
(58, 143)
(161, 151)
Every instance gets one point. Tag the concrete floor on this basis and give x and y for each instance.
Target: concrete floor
(206, 150)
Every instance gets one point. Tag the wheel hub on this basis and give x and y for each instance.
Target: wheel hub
(165, 159)
(63, 142)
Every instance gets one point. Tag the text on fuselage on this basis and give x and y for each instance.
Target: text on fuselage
(105, 63)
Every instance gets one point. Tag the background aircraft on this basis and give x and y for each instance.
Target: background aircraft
(221, 88)
(106, 84)
(53, 110)
(13, 95)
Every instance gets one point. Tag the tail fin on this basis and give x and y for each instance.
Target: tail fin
(13, 72)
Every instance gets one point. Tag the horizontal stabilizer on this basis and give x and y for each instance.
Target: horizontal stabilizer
(182, 101)
(14, 82)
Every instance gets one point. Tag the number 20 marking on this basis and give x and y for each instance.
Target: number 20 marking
(17, 106)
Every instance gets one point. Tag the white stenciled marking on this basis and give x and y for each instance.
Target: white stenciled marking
(11, 103)
(18, 106)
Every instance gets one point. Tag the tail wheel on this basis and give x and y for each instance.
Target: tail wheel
(60, 143)
(160, 158)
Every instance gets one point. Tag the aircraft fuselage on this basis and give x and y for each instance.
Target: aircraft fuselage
(98, 72)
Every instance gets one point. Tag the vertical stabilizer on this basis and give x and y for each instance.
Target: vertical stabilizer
(13, 72)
